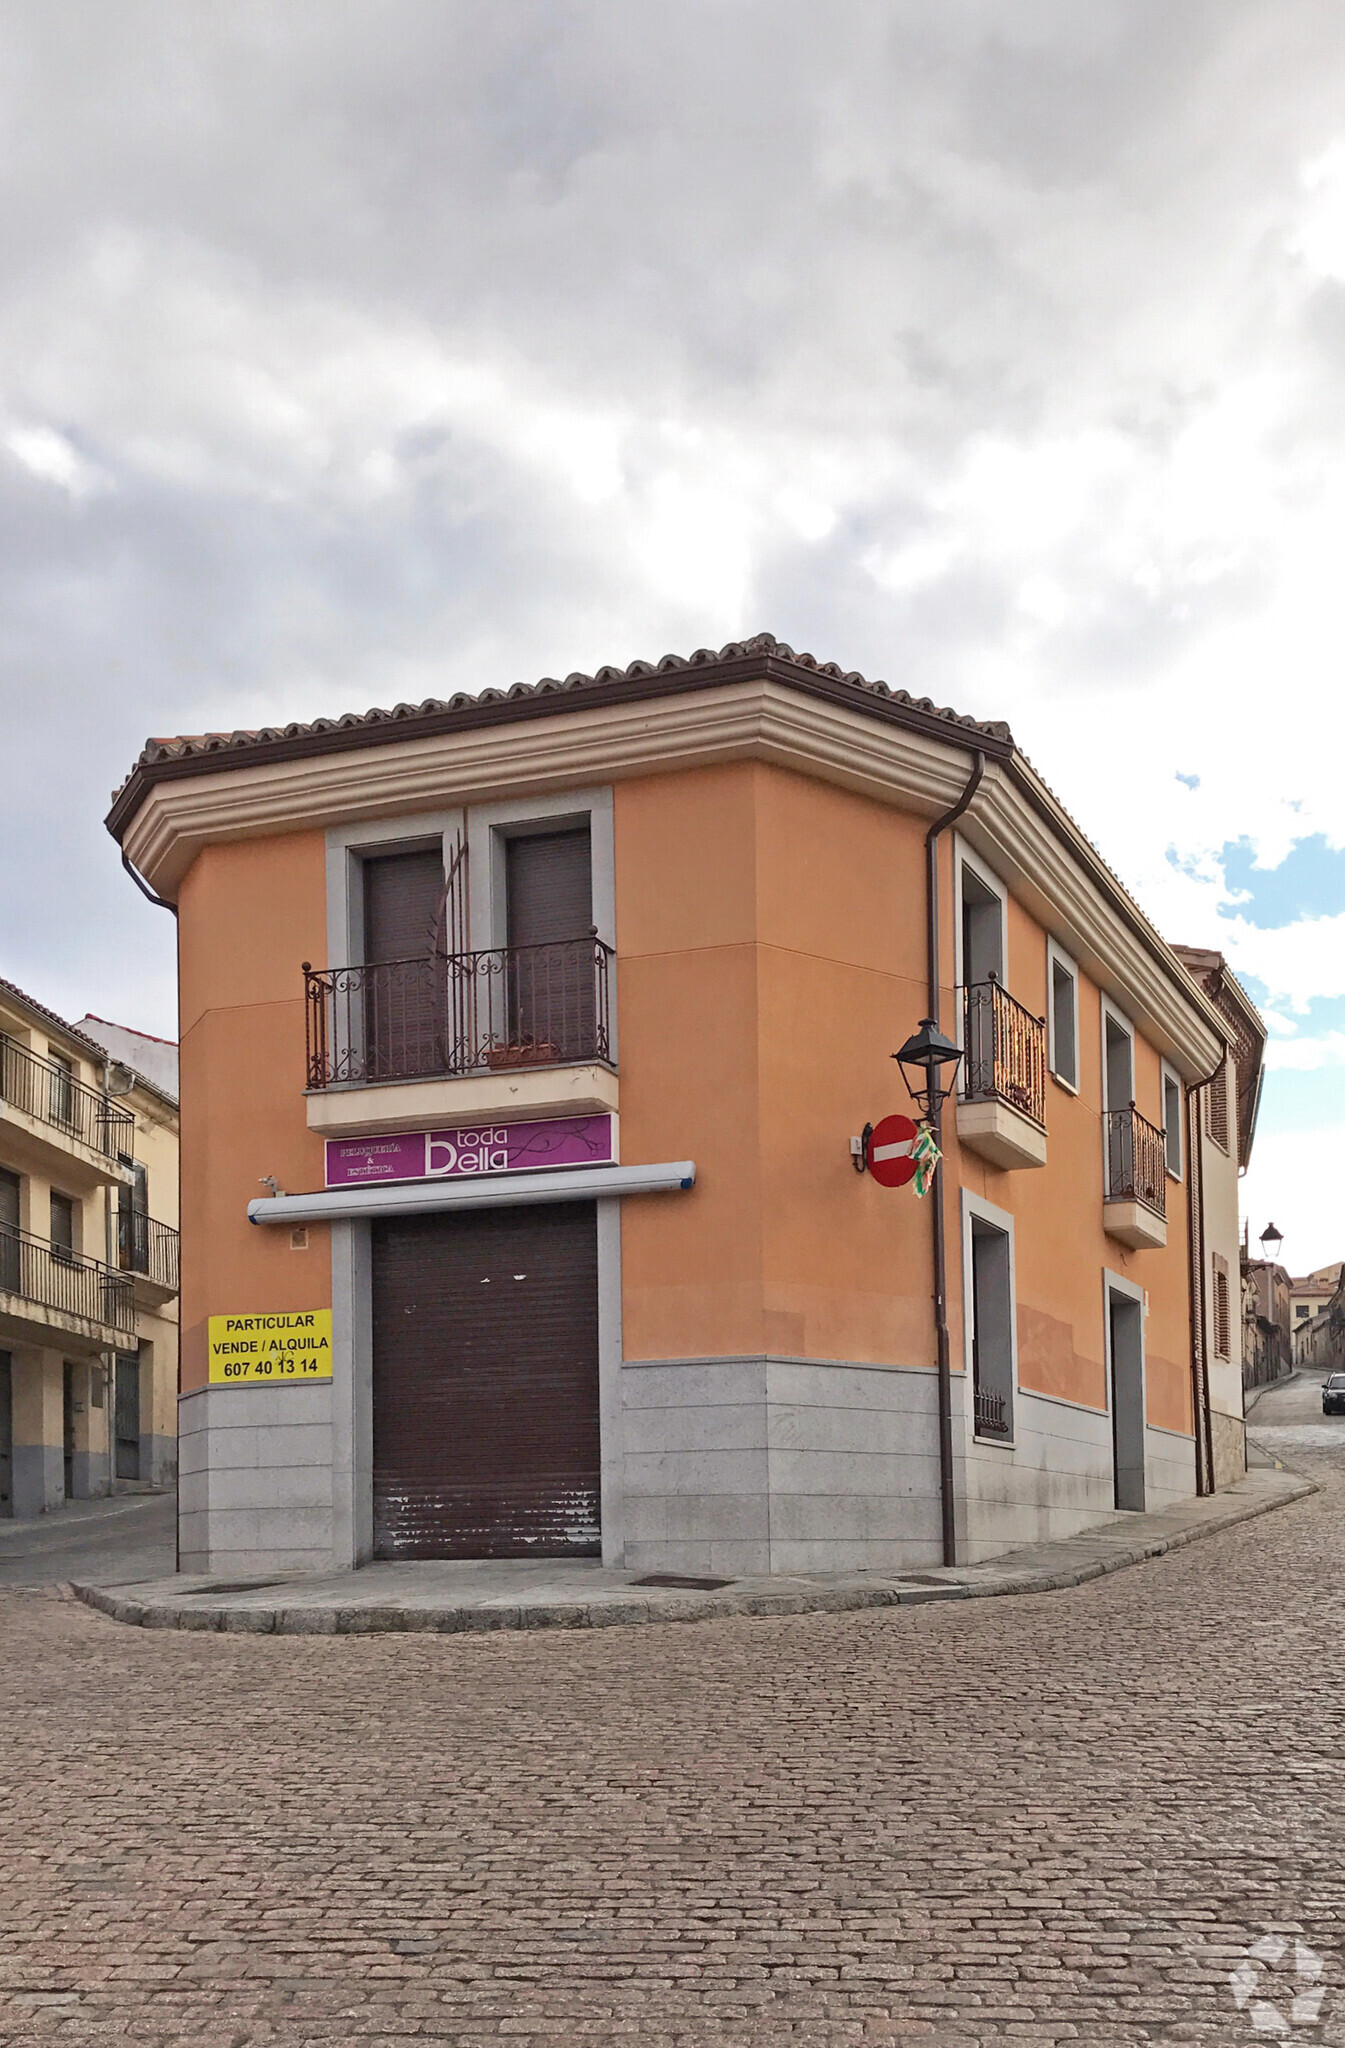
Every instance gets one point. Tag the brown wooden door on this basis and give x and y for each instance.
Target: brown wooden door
(405, 1003)
(485, 1383)
(549, 898)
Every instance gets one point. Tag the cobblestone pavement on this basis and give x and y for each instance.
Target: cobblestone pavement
(1059, 1818)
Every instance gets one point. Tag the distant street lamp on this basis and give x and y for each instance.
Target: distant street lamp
(1271, 1240)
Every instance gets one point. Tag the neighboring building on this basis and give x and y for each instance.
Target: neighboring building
(142, 1075)
(85, 1294)
(1227, 1133)
(1267, 1326)
(1309, 1298)
(441, 969)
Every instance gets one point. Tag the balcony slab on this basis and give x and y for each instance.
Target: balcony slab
(505, 1096)
(1001, 1134)
(53, 1329)
(34, 1146)
(1135, 1224)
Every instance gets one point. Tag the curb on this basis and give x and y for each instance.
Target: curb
(836, 1599)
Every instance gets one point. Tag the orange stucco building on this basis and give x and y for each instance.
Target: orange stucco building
(550, 1020)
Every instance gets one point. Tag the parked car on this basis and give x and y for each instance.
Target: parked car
(1333, 1394)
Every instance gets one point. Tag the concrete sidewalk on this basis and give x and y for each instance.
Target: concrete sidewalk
(443, 1598)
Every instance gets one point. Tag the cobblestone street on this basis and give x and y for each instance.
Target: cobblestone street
(1057, 1818)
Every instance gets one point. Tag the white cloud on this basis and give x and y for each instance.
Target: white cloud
(1294, 1180)
(385, 353)
(50, 457)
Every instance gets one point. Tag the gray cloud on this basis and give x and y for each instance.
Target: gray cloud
(352, 353)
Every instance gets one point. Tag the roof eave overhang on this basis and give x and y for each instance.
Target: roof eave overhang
(495, 708)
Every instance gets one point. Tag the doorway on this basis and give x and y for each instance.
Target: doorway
(126, 1416)
(1125, 1347)
(6, 1434)
(68, 1428)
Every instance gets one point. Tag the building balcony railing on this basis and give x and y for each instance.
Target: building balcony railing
(990, 1412)
(1004, 1049)
(46, 1091)
(54, 1278)
(1136, 1160)
(148, 1247)
(458, 1014)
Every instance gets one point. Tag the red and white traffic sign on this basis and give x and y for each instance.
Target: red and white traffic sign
(890, 1143)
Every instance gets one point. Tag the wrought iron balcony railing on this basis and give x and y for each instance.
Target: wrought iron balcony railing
(991, 1413)
(1004, 1051)
(144, 1245)
(458, 1013)
(56, 1278)
(1136, 1160)
(49, 1092)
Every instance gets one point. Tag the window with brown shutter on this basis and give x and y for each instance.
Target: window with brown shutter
(1217, 1114)
(1223, 1324)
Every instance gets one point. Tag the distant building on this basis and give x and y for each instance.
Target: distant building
(88, 1263)
(1267, 1327)
(1308, 1298)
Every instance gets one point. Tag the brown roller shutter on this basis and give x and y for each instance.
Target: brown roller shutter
(401, 904)
(549, 886)
(485, 1383)
(550, 971)
(406, 1004)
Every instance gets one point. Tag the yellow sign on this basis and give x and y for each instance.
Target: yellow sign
(271, 1351)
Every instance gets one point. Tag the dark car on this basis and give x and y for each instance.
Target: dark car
(1333, 1394)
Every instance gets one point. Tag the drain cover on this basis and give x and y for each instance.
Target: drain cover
(234, 1586)
(681, 1579)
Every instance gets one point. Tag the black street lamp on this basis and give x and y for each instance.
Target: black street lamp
(1271, 1240)
(922, 1060)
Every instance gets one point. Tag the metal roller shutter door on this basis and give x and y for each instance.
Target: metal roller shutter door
(485, 1384)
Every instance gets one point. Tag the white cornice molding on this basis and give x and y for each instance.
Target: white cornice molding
(1028, 838)
(1045, 872)
(744, 721)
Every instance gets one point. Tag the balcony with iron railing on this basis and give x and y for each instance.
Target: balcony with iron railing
(1001, 1110)
(46, 1287)
(1134, 1205)
(495, 1019)
(81, 1121)
(148, 1251)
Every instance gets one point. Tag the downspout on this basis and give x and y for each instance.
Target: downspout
(1195, 1233)
(946, 1496)
(162, 903)
(143, 886)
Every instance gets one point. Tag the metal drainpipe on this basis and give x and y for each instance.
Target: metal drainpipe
(946, 1497)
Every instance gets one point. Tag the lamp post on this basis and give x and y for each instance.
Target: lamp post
(922, 1060)
(1271, 1240)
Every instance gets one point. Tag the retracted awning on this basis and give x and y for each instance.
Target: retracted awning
(411, 1198)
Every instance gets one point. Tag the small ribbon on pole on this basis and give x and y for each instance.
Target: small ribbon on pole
(926, 1155)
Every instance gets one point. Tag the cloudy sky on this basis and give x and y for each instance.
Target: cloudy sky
(368, 352)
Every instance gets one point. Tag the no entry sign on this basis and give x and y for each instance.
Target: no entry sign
(890, 1143)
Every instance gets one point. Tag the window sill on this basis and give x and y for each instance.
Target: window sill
(1070, 1087)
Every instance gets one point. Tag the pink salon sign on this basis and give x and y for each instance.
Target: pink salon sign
(475, 1148)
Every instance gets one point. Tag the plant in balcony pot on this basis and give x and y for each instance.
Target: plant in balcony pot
(527, 1052)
